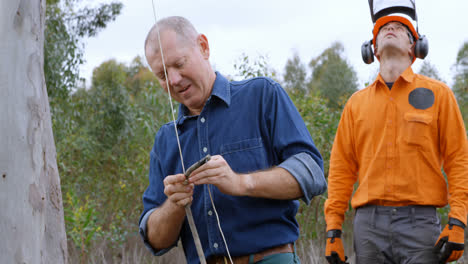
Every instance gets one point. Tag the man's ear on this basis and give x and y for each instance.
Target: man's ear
(376, 51)
(411, 51)
(204, 46)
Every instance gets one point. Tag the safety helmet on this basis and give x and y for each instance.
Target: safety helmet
(385, 11)
(403, 11)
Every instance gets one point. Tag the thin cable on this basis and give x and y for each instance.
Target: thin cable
(187, 207)
(188, 211)
(167, 85)
(219, 225)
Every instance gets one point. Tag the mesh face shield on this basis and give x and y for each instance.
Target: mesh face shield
(403, 11)
(380, 8)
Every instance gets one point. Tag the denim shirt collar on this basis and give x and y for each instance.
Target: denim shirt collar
(221, 90)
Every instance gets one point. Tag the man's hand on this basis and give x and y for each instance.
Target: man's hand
(176, 191)
(451, 242)
(334, 251)
(218, 173)
(165, 223)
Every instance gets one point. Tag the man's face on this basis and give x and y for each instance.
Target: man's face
(393, 35)
(187, 68)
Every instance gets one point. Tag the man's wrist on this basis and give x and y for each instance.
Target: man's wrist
(171, 207)
(247, 184)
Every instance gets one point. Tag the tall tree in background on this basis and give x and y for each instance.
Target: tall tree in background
(295, 74)
(429, 70)
(253, 67)
(332, 76)
(32, 221)
(460, 88)
(104, 156)
(66, 27)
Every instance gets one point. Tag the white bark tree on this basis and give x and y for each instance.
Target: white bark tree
(32, 226)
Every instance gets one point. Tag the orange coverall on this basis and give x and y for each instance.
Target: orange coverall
(395, 142)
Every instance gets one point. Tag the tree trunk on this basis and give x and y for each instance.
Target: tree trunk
(32, 226)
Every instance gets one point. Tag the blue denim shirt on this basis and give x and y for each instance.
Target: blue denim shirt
(254, 125)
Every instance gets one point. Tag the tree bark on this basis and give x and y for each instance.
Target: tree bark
(32, 226)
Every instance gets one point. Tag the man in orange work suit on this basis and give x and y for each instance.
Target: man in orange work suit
(393, 138)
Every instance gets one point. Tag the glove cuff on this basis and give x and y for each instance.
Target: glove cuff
(451, 222)
(334, 233)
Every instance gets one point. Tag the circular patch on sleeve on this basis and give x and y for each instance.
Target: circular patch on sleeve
(421, 98)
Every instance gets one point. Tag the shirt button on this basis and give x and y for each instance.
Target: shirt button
(215, 245)
(210, 213)
(205, 149)
(202, 120)
(391, 98)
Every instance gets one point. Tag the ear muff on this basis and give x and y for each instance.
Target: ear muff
(366, 52)
(421, 47)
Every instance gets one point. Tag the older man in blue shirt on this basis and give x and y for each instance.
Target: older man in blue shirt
(263, 158)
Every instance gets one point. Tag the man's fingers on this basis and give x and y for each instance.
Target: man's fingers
(334, 258)
(211, 164)
(213, 180)
(440, 243)
(174, 184)
(185, 202)
(173, 179)
(217, 166)
(204, 174)
(178, 188)
(455, 255)
(178, 197)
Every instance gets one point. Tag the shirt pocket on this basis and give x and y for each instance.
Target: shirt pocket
(417, 129)
(245, 156)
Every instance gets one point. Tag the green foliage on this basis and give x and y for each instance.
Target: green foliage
(104, 135)
(295, 74)
(66, 26)
(321, 120)
(332, 76)
(108, 104)
(62, 54)
(430, 71)
(104, 155)
(88, 21)
(248, 68)
(460, 88)
(82, 220)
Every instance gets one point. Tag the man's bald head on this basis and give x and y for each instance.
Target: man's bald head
(186, 32)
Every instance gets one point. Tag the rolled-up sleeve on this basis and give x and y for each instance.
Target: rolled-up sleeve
(153, 197)
(144, 235)
(293, 144)
(308, 174)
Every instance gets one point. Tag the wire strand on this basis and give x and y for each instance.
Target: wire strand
(167, 85)
(187, 208)
(219, 225)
